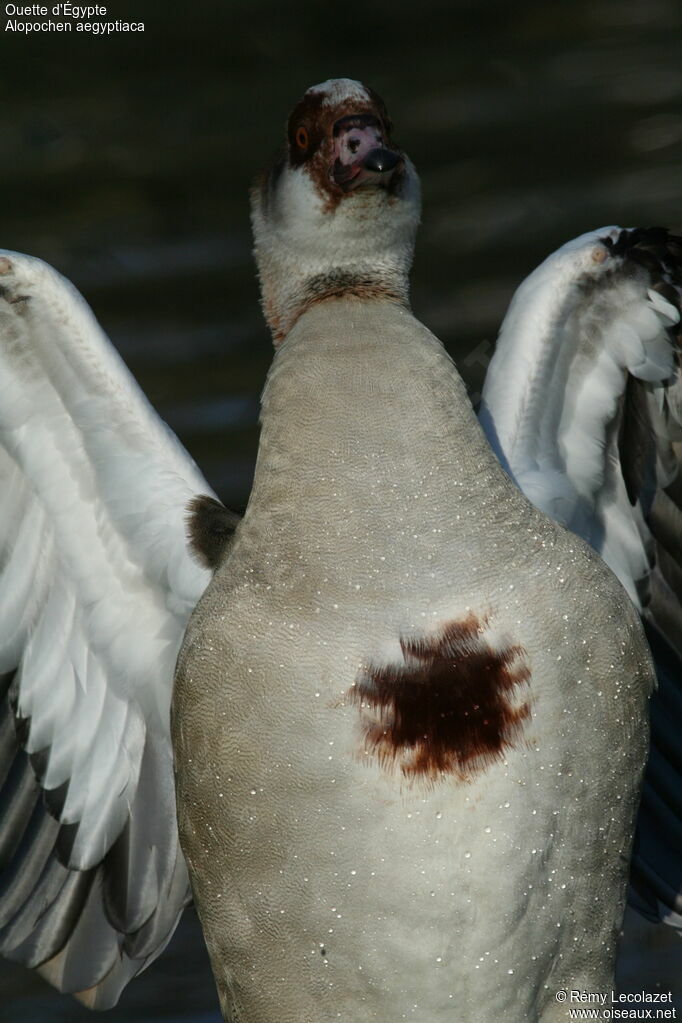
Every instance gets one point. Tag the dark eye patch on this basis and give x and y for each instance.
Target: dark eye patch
(307, 115)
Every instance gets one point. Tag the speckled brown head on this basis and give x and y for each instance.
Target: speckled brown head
(337, 212)
(341, 133)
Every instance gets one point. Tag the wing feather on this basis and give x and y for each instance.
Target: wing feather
(96, 586)
(583, 403)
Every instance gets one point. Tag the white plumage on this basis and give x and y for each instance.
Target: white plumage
(577, 327)
(97, 586)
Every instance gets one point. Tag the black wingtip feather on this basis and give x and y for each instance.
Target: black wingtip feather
(659, 240)
(6, 679)
(39, 762)
(116, 876)
(18, 797)
(55, 799)
(21, 727)
(66, 840)
(658, 250)
(656, 871)
(636, 443)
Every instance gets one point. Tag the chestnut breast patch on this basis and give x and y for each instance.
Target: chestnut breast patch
(453, 707)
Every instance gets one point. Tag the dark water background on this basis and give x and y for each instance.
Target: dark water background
(126, 161)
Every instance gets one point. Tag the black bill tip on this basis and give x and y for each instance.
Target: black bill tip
(380, 160)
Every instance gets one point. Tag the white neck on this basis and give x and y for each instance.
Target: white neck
(307, 252)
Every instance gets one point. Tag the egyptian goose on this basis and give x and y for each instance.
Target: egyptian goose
(409, 714)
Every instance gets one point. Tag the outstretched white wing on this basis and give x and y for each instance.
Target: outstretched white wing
(96, 587)
(583, 404)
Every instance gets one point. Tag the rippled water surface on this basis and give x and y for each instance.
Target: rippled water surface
(126, 163)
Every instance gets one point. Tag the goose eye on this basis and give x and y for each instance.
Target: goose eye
(302, 138)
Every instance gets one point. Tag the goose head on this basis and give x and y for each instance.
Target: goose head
(337, 211)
